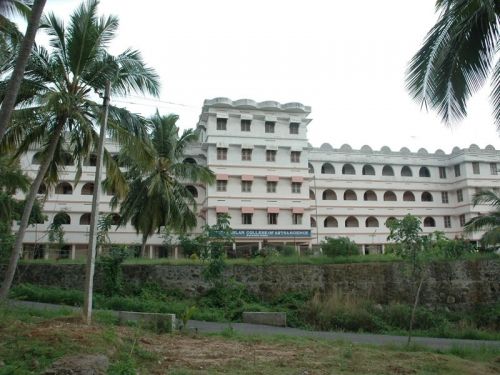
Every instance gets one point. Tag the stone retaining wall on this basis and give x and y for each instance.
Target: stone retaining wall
(455, 284)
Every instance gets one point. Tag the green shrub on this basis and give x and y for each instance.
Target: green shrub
(341, 246)
(111, 265)
(287, 251)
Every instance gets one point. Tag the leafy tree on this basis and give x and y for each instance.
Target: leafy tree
(111, 264)
(457, 57)
(56, 232)
(157, 195)
(57, 98)
(489, 223)
(407, 234)
(341, 246)
(18, 68)
(220, 236)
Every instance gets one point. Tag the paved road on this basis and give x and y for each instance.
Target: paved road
(256, 329)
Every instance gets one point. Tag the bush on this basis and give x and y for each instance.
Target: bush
(111, 264)
(341, 246)
(287, 251)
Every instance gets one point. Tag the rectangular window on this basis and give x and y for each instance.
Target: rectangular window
(221, 185)
(245, 125)
(294, 128)
(475, 167)
(270, 155)
(295, 156)
(462, 220)
(460, 195)
(457, 170)
(246, 186)
(296, 187)
(221, 153)
(271, 186)
(297, 219)
(442, 172)
(493, 168)
(447, 222)
(272, 218)
(269, 126)
(221, 123)
(246, 219)
(444, 196)
(246, 154)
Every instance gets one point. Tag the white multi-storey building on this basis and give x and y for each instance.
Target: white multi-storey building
(278, 189)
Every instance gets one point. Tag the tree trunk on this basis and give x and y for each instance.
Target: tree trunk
(143, 245)
(412, 318)
(30, 200)
(22, 60)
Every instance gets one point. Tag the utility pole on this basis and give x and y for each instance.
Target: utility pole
(94, 216)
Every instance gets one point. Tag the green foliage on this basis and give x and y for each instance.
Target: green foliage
(287, 251)
(187, 315)
(111, 264)
(220, 236)
(341, 246)
(104, 224)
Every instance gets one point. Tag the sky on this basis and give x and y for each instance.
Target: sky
(345, 59)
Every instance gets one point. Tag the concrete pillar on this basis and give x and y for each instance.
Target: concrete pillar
(150, 251)
(73, 252)
(363, 248)
(260, 245)
(310, 245)
(383, 249)
(46, 252)
(176, 252)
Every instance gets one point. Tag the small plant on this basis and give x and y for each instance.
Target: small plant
(186, 316)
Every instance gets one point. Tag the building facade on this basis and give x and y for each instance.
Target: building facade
(278, 189)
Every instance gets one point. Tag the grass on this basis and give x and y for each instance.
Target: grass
(31, 340)
(334, 311)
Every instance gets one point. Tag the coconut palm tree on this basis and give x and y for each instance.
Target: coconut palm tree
(489, 223)
(457, 57)
(157, 193)
(23, 55)
(57, 98)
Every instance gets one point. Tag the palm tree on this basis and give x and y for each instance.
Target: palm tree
(18, 70)
(489, 223)
(157, 192)
(57, 98)
(456, 58)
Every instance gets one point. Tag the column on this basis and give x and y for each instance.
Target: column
(176, 252)
(150, 251)
(260, 245)
(363, 247)
(383, 249)
(73, 252)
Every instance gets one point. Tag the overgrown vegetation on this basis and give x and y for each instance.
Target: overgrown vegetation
(333, 311)
(340, 246)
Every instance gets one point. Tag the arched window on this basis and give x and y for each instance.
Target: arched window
(408, 196)
(370, 196)
(350, 195)
(192, 190)
(426, 197)
(311, 168)
(424, 172)
(389, 196)
(312, 195)
(115, 219)
(329, 195)
(387, 171)
(42, 189)
(389, 219)
(85, 219)
(429, 222)
(313, 223)
(64, 188)
(67, 159)
(406, 171)
(351, 222)
(62, 218)
(348, 169)
(371, 222)
(189, 161)
(91, 161)
(88, 189)
(368, 170)
(330, 222)
(327, 168)
(37, 159)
